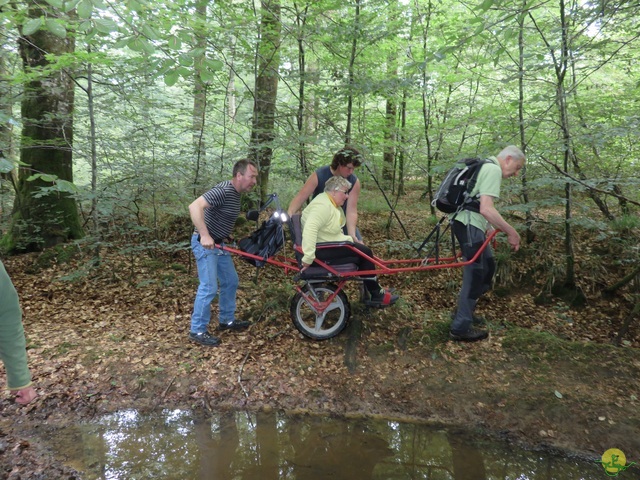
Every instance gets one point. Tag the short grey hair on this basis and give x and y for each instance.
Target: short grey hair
(336, 183)
(513, 152)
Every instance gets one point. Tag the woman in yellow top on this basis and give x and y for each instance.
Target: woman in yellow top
(322, 221)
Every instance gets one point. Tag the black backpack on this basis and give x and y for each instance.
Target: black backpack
(453, 193)
(266, 241)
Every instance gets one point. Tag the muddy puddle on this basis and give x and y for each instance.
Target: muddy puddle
(239, 445)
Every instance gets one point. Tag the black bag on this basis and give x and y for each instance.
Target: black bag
(453, 194)
(265, 242)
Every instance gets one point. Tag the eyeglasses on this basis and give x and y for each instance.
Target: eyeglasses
(346, 192)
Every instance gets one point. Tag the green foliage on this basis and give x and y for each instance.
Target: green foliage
(457, 70)
(626, 223)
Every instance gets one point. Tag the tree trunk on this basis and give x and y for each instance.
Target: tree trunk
(264, 107)
(352, 61)
(6, 129)
(530, 235)
(301, 19)
(561, 101)
(95, 217)
(42, 220)
(199, 103)
(403, 142)
(389, 149)
(560, 70)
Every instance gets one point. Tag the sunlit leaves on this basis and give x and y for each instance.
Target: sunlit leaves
(55, 27)
(171, 78)
(140, 44)
(42, 176)
(84, 9)
(105, 25)
(32, 26)
(134, 6)
(213, 65)
(5, 165)
(58, 185)
(174, 42)
(150, 32)
(485, 5)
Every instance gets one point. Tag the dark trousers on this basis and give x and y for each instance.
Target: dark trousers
(477, 278)
(342, 254)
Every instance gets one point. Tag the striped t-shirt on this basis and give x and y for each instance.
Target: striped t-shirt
(224, 208)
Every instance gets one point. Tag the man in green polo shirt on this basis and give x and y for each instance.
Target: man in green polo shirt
(470, 229)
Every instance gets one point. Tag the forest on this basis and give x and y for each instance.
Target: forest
(116, 115)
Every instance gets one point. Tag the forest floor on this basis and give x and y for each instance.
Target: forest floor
(115, 337)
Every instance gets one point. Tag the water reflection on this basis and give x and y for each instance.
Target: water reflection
(270, 446)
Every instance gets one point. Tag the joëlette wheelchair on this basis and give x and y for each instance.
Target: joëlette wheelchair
(320, 309)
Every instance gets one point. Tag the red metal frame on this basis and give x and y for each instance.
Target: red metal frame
(384, 267)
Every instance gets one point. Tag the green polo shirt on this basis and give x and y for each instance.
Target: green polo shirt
(488, 183)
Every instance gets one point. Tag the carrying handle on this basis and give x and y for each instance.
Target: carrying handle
(254, 214)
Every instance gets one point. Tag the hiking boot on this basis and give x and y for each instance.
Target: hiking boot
(471, 335)
(204, 338)
(476, 319)
(382, 299)
(235, 325)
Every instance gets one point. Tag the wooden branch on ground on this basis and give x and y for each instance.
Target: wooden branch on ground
(621, 283)
(168, 387)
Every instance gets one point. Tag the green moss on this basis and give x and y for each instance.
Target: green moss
(543, 345)
(435, 334)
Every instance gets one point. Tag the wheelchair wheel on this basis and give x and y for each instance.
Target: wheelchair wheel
(320, 326)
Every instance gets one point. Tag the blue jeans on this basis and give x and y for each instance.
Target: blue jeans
(215, 268)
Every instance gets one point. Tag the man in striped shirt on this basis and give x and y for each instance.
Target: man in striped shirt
(214, 215)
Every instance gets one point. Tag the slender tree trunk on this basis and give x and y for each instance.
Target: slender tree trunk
(561, 101)
(6, 129)
(389, 149)
(301, 19)
(352, 61)
(595, 196)
(229, 115)
(264, 109)
(403, 140)
(231, 85)
(47, 142)
(95, 217)
(199, 103)
(523, 138)
(560, 69)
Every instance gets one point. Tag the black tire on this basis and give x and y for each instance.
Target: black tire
(320, 327)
